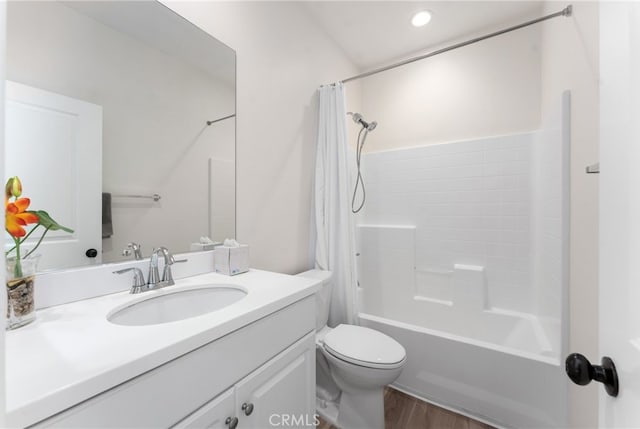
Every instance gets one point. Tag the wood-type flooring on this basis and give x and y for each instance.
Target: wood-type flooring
(402, 411)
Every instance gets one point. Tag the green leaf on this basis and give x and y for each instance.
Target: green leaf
(48, 222)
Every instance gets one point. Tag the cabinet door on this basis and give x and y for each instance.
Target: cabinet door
(213, 414)
(282, 391)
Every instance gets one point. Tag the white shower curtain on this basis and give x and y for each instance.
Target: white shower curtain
(335, 233)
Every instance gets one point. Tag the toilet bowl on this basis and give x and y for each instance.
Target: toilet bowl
(361, 362)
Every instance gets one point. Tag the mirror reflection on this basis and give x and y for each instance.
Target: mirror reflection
(121, 122)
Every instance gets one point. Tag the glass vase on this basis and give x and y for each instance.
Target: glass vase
(20, 288)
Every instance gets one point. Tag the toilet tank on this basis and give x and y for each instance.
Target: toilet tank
(323, 296)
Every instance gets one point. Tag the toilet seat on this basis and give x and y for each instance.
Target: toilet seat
(364, 347)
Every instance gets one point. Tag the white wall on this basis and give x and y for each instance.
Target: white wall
(570, 61)
(282, 58)
(486, 89)
(3, 296)
(155, 138)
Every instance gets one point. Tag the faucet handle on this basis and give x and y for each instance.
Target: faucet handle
(138, 278)
(167, 275)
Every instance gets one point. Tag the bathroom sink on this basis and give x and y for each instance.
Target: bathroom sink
(178, 305)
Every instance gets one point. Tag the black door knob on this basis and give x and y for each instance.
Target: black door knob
(91, 253)
(581, 372)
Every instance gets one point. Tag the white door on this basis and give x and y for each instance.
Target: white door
(54, 144)
(620, 209)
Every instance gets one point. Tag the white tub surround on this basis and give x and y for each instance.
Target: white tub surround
(72, 353)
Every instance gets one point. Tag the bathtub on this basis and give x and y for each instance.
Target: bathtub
(507, 377)
(464, 351)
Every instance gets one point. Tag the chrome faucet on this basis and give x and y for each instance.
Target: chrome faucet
(153, 279)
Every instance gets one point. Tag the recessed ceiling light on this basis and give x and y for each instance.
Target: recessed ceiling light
(421, 19)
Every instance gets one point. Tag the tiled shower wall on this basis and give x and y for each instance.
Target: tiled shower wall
(471, 204)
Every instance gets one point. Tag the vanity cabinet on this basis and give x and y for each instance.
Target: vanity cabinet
(282, 390)
(269, 365)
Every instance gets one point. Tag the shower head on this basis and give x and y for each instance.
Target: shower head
(357, 118)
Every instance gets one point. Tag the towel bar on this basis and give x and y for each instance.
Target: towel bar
(154, 197)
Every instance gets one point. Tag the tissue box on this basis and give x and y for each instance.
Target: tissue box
(231, 260)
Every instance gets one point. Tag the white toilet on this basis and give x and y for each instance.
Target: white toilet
(361, 362)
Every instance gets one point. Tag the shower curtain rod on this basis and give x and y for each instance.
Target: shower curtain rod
(564, 12)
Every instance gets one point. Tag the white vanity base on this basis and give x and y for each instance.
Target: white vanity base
(259, 350)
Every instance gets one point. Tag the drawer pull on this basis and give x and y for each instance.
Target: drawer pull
(247, 408)
(232, 422)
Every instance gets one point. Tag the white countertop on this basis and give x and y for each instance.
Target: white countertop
(71, 352)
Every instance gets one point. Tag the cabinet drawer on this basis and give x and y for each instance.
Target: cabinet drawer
(165, 395)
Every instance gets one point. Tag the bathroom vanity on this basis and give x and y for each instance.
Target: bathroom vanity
(250, 364)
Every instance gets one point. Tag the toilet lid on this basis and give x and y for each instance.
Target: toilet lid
(364, 346)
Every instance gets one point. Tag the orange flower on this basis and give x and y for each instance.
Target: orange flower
(17, 217)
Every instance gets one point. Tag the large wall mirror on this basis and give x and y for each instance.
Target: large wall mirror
(121, 124)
